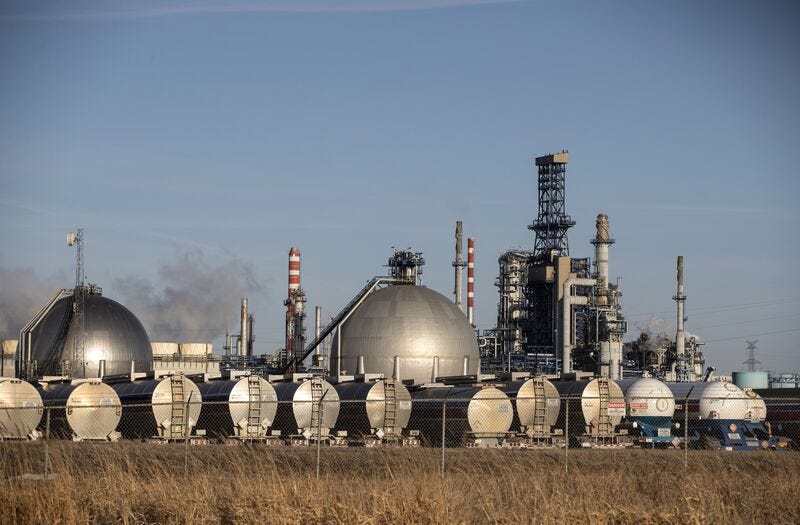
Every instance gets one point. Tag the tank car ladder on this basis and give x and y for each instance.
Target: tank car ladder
(253, 407)
(390, 409)
(316, 406)
(177, 422)
(539, 429)
(604, 427)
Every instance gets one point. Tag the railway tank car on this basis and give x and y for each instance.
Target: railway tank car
(596, 409)
(722, 416)
(650, 407)
(475, 415)
(82, 410)
(537, 405)
(375, 412)
(162, 408)
(241, 408)
(301, 416)
(21, 410)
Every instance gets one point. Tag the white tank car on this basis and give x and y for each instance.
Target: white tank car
(720, 400)
(21, 409)
(86, 410)
(527, 399)
(298, 403)
(157, 408)
(472, 412)
(648, 397)
(373, 403)
(242, 407)
(596, 404)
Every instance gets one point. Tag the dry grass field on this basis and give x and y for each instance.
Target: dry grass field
(140, 483)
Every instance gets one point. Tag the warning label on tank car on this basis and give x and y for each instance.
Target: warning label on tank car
(639, 405)
(616, 408)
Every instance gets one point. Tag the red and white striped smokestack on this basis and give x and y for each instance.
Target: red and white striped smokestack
(470, 280)
(294, 270)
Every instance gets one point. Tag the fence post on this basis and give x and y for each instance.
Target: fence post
(186, 431)
(686, 429)
(46, 446)
(319, 427)
(566, 437)
(444, 429)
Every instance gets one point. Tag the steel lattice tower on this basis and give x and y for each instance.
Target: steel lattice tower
(552, 223)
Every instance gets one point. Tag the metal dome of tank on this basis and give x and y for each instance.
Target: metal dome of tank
(412, 322)
(112, 333)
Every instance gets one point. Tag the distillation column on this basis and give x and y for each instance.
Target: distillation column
(471, 281)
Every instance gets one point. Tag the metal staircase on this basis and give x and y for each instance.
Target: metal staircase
(390, 409)
(177, 422)
(254, 429)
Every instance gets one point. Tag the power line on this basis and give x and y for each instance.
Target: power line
(752, 335)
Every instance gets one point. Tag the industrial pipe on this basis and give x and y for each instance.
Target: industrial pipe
(566, 317)
(243, 332)
(435, 369)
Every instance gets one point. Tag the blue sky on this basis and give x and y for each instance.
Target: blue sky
(216, 135)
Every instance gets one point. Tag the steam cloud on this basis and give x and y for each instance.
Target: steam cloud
(22, 294)
(196, 301)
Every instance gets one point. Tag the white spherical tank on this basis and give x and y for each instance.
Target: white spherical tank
(414, 323)
(649, 397)
(21, 409)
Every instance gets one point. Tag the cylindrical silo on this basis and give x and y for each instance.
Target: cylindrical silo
(474, 416)
(167, 407)
(8, 362)
(195, 349)
(21, 409)
(376, 408)
(306, 409)
(163, 349)
(83, 410)
(244, 407)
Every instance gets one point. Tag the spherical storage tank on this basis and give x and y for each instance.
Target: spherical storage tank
(88, 410)
(20, 409)
(112, 333)
(412, 322)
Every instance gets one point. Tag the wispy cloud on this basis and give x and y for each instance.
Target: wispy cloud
(109, 10)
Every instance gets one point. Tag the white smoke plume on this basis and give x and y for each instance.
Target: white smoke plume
(22, 294)
(194, 301)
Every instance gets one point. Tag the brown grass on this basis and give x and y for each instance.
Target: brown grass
(140, 483)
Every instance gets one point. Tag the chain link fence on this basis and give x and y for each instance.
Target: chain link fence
(333, 429)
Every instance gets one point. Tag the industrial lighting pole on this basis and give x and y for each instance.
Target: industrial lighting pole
(319, 427)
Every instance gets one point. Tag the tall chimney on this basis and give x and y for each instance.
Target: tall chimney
(294, 270)
(243, 332)
(680, 298)
(471, 280)
(458, 264)
(602, 241)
